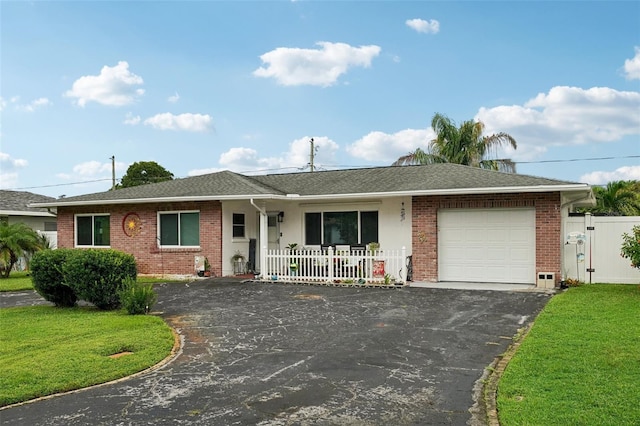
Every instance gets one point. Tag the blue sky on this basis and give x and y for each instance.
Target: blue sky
(204, 86)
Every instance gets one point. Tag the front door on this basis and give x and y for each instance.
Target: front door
(273, 231)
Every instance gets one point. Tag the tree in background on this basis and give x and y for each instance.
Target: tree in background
(16, 240)
(144, 172)
(465, 145)
(618, 198)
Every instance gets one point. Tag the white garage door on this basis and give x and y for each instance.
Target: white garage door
(487, 245)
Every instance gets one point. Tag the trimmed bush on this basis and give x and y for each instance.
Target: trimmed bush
(97, 275)
(48, 277)
(137, 298)
(631, 247)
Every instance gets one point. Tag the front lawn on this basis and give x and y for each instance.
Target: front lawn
(579, 364)
(46, 350)
(19, 281)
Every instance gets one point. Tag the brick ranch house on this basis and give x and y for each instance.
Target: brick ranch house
(458, 223)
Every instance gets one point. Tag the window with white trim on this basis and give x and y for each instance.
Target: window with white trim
(93, 230)
(239, 226)
(179, 229)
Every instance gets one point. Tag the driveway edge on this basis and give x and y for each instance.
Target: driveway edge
(485, 392)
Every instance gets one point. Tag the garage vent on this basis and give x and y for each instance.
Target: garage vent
(546, 280)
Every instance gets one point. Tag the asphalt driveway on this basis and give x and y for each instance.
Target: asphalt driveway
(278, 354)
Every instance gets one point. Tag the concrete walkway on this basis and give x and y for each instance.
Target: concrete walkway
(277, 354)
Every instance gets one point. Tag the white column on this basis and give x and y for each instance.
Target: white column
(264, 242)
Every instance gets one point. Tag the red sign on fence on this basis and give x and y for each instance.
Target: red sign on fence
(378, 269)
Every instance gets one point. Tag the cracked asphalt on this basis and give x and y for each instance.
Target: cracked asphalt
(279, 354)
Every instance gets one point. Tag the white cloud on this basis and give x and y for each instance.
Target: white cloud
(632, 66)
(297, 156)
(30, 107)
(173, 98)
(420, 25)
(8, 180)
(316, 67)
(385, 147)
(114, 86)
(7, 161)
(187, 122)
(8, 170)
(566, 116)
(91, 168)
(198, 172)
(243, 158)
(35, 104)
(90, 176)
(131, 120)
(602, 177)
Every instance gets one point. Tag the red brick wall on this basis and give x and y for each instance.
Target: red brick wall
(144, 245)
(425, 226)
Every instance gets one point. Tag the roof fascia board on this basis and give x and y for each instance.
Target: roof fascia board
(463, 191)
(25, 213)
(151, 200)
(297, 197)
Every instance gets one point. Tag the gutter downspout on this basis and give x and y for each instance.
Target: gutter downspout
(263, 237)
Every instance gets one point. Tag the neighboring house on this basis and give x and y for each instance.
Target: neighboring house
(458, 223)
(15, 206)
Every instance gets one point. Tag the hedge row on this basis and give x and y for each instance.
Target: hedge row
(64, 276)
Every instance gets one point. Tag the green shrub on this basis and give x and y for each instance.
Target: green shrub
(137, 298)
(631, 247)
(48, 277)
(97, 275)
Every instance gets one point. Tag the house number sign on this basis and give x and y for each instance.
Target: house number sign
(131, 224)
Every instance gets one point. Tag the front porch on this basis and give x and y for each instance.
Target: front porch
(348, 266)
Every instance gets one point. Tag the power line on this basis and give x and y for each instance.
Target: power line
(58, 184)
(577, 159)
(338, 167)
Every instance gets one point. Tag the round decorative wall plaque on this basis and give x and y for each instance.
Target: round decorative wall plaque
(131, 224)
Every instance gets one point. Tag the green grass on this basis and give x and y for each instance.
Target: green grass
(45, 350)
(17, 281)
(580, 363)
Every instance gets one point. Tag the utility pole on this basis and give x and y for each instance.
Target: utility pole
(113, 172)
(312, 154)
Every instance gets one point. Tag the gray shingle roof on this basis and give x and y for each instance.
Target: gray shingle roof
(399, 179)
(220, 184)
(378, 180)
(18, 201)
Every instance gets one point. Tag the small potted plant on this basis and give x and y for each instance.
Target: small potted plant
(293, 262)
(207, 267)
(237, 260)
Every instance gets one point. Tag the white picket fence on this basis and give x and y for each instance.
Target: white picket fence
(337, 266)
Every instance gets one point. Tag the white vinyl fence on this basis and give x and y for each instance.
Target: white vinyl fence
(597, 259)
(337, 266)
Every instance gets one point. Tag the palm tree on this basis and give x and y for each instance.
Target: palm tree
(16, 241)
(462, 145)
(618, 198)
